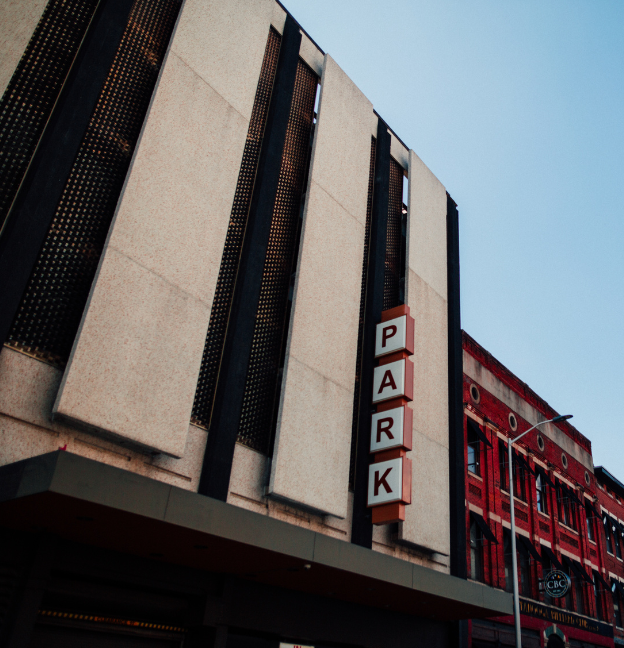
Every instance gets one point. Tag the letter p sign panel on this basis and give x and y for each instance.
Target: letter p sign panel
(395, 335)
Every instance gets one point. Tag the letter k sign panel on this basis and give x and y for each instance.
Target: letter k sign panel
(385, 482)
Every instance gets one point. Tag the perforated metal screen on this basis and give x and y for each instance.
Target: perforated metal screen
(358, 365)
(265, 367)
(52, 306)
(204, 395)
(394, 277)
(34, 87)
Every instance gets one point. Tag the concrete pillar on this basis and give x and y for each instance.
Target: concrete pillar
(134, 366)
(427, 518)
(313, 439)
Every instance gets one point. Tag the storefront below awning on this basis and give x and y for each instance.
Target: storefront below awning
(96, 504)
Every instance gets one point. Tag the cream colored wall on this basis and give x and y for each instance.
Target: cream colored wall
(18, 20)
(134, 366)
(28, 388)
(313, 438)
(427, 518)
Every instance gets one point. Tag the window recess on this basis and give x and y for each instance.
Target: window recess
(53, 302)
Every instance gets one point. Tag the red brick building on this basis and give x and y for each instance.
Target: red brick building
(568, 515)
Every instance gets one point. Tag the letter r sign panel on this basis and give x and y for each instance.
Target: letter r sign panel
(391, 429)
(385, 482)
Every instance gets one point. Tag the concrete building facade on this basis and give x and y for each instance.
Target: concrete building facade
(203, 220)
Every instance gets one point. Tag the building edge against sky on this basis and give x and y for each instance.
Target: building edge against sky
(202, 223)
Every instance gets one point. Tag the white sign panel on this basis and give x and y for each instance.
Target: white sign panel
(389, 381)
(387, 429)
(391, 336)
(385, 482)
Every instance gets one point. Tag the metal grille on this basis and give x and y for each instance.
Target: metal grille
(264, 373)
(394, 278)
(358, 365)
(52, 306)
(34, 87)
(213, 349)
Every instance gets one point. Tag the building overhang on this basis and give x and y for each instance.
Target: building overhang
(96, 504)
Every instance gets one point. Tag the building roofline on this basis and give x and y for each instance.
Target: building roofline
(521, 388)
(605, 477)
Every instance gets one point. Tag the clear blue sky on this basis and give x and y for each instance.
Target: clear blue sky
(516, 106)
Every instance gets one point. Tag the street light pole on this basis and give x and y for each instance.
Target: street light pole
(514, 559)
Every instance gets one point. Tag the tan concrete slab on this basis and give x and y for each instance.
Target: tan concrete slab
(430, 405)
(18, 20)
(427, 225)
(342, 143)
(326, 305)
(133, 369)
(312, 448)
(210, 31)
(175, 208)
(426, 295)
(311, 461)
(426, 519)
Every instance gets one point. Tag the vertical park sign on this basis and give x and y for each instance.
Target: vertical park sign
(390, 473)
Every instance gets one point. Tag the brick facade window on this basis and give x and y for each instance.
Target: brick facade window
(591, 534)
(474, 450)
(502, 465)
(476, 552)
(541, 494)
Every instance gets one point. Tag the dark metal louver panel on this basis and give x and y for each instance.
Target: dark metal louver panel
(264, 372)
(34, 87)
(222, 300)
(52, 306)
(358, 365)
(395, 247)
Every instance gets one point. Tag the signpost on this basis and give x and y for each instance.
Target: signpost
(390, 474)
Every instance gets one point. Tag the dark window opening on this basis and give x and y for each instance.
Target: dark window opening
(394, 277)
(617, 610)
(598, 601)
(541, 493)
(54, 300)
(222, 300)
(503, 465)
(264, 374)
(34, 87)
(476, 553)
(474, 448)
(358, 366)
(507, 555)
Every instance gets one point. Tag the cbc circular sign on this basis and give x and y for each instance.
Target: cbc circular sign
(557, 584)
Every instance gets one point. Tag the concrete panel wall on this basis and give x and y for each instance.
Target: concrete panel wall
(133, 370)
(312, 448)
(18, 20)
(427, 518)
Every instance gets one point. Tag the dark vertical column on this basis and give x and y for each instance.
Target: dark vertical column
(362, 527)
(455, 372)
(230, 390)
(29, 219)
(457, 486)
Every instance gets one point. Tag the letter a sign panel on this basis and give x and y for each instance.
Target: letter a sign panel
(393, 380)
